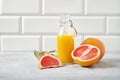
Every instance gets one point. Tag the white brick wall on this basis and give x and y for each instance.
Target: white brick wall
(26, 25)
(89, 24)
(56, 7)
(21, 7)
(9, 24)
(49, 42)
(20, 43)
(102, 7)
(113, 25)
(40, 25)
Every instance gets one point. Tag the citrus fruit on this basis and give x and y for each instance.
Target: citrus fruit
(47, 60)
(96, 42)
(86, 55)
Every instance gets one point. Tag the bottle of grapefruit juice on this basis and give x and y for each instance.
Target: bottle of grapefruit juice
(65, 45)
(65, 40)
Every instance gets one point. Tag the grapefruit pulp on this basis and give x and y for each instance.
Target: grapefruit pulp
(86, 55)
(47, 60)
(96, 42)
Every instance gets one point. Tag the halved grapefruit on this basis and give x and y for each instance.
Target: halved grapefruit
(96, 42)
(86, 55)
(47, 60)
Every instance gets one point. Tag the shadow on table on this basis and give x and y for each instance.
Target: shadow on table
(107, 63)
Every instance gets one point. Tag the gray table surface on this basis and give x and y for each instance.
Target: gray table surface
(23, 66)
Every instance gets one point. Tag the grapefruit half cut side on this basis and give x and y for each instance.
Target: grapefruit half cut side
(86, 55)
(96, 42)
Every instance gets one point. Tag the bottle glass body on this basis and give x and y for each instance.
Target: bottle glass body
(65, 41)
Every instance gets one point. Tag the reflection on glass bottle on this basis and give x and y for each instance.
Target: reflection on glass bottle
(65, 39)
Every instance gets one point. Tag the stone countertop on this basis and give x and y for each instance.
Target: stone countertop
(23, 66)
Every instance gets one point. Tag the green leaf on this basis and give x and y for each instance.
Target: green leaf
(38, 54)
(53, 51)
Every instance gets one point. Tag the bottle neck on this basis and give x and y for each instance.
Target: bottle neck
(65, 21)
(66, 26)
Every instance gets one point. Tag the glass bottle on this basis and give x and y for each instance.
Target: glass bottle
(65, 39)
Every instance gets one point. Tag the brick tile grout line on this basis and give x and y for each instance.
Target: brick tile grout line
(106, 27)
(20, 25)
(1, 43)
